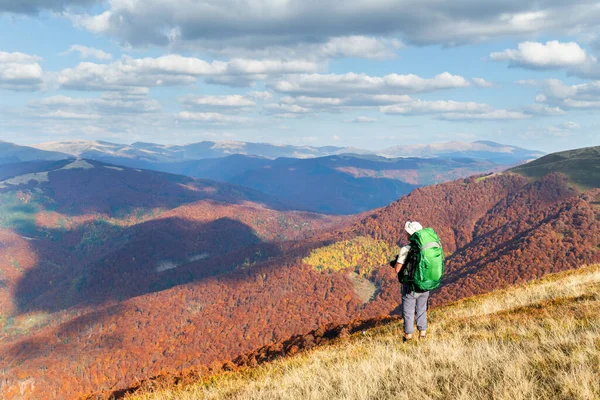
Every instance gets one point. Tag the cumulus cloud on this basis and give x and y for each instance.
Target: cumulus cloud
(287, 110)
(235, 101)
(210, 118)
(295, 107)
(349, 101)
(89, 52)
(172, 70)
(557, 131)
(496, 115)
(61, 114)
(330, 85)
(540, 110)
(308, 101)
(20, 72)
(480, 82)
(555, 93)
(108, 104)
(553, 54)
(359, 47)
(286, 23)
(260, 96)
(417, 107)
(361, 100)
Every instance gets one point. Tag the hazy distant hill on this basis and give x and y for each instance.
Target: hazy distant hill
(486, 150)
(582, 166)
(349, 184)
(136, 154)
(12, 153)
(343, 184)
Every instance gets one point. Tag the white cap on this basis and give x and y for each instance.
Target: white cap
(412, 227)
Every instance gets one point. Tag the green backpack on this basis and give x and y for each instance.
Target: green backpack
(425, 261)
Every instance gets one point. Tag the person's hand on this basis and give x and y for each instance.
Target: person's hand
(398, 267)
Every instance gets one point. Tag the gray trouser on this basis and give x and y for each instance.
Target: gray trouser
(414, 302)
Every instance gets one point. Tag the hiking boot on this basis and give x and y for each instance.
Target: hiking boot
(407, 337)
(422, 335)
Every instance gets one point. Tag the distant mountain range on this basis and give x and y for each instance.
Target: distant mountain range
(344, 184)
(157, 153)
(307, 178)
(12, 153)
(349, 184)
(491, 151)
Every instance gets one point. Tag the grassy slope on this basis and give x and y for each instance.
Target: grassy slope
(582, 166)
(535, 341)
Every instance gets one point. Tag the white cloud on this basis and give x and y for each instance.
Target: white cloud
(172, 70)
(496, 115)
(480, 82)
(20, 72)
(231, 101)
(527, 82)
(556, 93)
(378, 99)
(88, 52)
(60, 114)
(109, 104)
(331, 85)
(316, 49)
(360, 47)
(417, 107)
(287, 110)
(308, 101)
(553, 54)
(256, 67)
(210, 118)
(212, 24)
(562, 130)
(260, 96)
(540, 110)
(363, 120)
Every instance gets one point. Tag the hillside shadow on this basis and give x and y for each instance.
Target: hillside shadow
(498, 249)
(112, 263)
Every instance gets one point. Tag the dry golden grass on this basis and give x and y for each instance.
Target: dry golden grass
(535, 341)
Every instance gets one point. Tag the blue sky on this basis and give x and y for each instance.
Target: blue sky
(369, 74)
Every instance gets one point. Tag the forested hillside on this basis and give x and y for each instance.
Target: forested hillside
(496, 230)
(533, 340)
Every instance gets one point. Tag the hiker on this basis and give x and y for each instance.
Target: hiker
(419, 267)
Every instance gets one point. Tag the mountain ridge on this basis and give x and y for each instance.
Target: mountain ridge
(209, 149)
